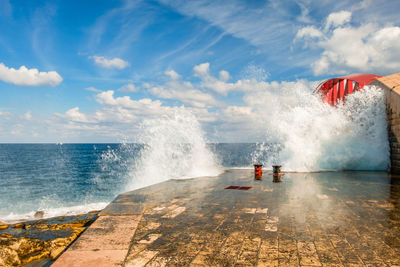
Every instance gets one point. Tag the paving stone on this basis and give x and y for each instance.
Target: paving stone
(230, 251)
(140, 259)
(248, 255)
(287, 252)
(77, 258)
(268, 253)
(308, 254)
(108, 233)
(326, 251)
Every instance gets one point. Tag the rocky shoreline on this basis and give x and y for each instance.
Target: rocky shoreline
(40, 242)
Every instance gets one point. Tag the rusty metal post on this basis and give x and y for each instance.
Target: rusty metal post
(276, 173)
(276, 179)
(258, 171)
(276, 169)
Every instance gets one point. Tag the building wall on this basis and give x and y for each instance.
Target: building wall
(391, 85)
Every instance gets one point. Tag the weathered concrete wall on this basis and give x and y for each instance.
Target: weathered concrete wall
(391, 85)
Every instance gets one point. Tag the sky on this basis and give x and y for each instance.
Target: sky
(93, 71)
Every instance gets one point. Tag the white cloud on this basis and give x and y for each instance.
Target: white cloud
(337, 19)
(117, 118)
(208, 81)
(305, 13)
(202, 70)
(118, 114)
(220, 85)
(28, 115)
(172, 74)
(29, 77)
(110, 63)
(128, 88)
(345, 48)
(183, 91)
(93, 89)
(360, 49)
(309, 31)
(75, 115)
(224, 75)
(107, 98)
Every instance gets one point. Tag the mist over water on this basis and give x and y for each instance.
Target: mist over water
(304, 134)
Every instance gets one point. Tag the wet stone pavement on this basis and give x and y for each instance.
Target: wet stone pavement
(309, 219)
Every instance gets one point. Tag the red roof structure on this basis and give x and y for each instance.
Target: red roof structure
(337, 89)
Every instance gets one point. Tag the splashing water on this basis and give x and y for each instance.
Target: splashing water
(305, 134)
(174, 147)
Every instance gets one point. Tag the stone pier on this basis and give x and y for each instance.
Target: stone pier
(308, 219)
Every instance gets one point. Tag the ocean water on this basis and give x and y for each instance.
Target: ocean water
(67, 179)
(300, 132)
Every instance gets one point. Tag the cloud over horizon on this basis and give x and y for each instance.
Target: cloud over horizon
(222, 121)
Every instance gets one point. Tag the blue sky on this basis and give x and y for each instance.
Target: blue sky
(91, 71)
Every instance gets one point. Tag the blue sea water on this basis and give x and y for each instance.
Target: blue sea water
(63, 179)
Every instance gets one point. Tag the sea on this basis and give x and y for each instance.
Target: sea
(305, 135)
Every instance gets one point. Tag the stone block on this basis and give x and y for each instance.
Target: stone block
(108, 233)
(103, 258)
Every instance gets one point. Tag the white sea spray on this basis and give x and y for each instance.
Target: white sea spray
(174, 147)
(305, 134)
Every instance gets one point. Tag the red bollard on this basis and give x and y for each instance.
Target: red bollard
(258, 171)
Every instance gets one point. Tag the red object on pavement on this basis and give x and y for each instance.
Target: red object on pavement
(258, 171)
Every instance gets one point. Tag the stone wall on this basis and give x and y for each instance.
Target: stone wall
(391, 85)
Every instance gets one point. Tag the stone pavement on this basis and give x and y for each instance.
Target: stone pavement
(309, 219)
